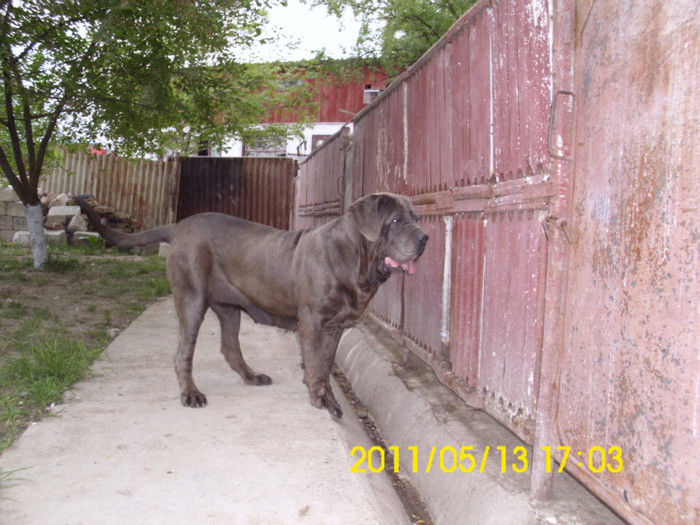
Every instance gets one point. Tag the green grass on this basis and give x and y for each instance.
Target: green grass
(15, 310)
(145, 281)
(44, 365)
(46, 368)
(55, 324)
(63, 264)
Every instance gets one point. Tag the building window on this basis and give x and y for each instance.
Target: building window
(203, 149)
(266, 147)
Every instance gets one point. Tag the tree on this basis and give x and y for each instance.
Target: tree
(147, 76)
(398, 32)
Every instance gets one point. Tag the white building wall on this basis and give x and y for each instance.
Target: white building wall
(296, 147)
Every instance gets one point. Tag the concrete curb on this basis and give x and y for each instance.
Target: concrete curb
(411, 408)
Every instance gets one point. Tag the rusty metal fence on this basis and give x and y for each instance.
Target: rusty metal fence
(162, 192)
(319, 194)
(144, 189)
(558, 291)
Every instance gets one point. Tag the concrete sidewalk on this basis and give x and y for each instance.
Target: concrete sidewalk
(123, 450)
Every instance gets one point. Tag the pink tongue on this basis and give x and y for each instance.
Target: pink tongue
(409, 267)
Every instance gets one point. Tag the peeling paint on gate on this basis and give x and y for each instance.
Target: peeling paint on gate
(629, 364)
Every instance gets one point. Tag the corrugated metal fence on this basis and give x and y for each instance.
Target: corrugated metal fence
(163, 192)
(253, 188)
(319, 193)
(566, 311)
(145, 189)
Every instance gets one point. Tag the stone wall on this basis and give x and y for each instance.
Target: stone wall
(12, 217)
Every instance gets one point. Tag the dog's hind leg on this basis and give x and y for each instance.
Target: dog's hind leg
(190, 312)
(230, 319)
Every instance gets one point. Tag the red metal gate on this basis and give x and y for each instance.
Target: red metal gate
(628, 372)
(254, 188)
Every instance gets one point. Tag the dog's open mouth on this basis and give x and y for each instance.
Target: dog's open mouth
(408, 267)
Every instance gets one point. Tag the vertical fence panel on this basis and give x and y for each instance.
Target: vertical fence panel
(468, 257)
(141, 189)
(478, 157)
(423, 291)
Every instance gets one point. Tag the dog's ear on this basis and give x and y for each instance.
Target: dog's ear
(365, 213)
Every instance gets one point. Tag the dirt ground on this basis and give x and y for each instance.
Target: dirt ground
(91, 296)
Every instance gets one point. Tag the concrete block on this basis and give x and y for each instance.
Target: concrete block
(65, 212)
(55, 237)
(19, 223)
(77, 223)
(21, 238)
(15, 209)
(83, 238)
(3, 207)
(7, 223)
(8, 195)
(46, 199)
(60, 215)
(164, 249)
(60, 201)
(6, 235)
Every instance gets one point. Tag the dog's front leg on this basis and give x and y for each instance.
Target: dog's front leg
(318, 346)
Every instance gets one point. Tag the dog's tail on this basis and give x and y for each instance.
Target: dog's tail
(123, 240)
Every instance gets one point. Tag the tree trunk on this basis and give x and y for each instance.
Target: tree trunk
(35, 223)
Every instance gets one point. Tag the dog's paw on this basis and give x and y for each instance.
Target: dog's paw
(335, 411)
(321, 396)
(261, 379)
(193, 399)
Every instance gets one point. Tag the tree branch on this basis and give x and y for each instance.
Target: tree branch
(10, 175)
(6, 17)
(12, 126)
(46, 33)
(430, 31)
(26, 107)
(53, 119)
(451, 8)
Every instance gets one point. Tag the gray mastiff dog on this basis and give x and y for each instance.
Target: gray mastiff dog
(315, 281)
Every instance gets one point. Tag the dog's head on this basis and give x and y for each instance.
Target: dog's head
(390, 223)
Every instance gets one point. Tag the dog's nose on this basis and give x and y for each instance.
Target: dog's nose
(420, 245)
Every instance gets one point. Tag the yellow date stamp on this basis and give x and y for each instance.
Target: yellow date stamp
(466, 459)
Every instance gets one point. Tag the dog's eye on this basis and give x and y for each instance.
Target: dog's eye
(397, 220)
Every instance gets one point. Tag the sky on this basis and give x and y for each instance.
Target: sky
(309, 30)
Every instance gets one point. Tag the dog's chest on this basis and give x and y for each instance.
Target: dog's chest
(343, 306)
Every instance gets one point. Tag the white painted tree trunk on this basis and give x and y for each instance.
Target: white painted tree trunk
(35, 224)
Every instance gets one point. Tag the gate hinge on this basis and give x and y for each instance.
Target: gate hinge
(551, 222)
